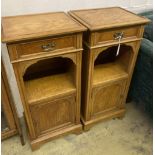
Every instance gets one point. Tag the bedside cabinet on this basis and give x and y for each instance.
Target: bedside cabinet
(111, 46)
(45, 51)
(10, 123)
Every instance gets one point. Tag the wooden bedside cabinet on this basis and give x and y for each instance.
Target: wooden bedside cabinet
(10, 123)
(45, 51)
(107, 71)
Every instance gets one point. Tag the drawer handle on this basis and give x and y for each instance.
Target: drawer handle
(48, 47)
(118, 35)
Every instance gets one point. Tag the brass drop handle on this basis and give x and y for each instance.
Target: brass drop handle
(48, 47)
(118, 35)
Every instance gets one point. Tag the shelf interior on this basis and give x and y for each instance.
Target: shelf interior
(109, 67)
(46, 87)
(49, 78)
(108, 72)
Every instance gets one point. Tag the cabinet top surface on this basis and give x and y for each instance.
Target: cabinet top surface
(104, 18)
(16, 28)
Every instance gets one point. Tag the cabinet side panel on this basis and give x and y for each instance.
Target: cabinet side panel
(86, 82)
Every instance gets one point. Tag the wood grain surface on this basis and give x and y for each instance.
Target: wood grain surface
(46, 53)
(104, 18)
(49, 86)
(105, 76)
(15, 28)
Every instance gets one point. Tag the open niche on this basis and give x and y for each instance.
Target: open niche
(109, 67)
(49, 77)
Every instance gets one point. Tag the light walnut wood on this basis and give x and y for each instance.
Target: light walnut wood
(33, 48)
(105, 76)
(47, 87)
(28, 118)
(106, 98)
(23, 27)
(108, 35)
(108, 73)
(62, 112)
(9, 109)
(49, 81)
(105, 37)
(113, 114)
(36, 143)
(105, 18)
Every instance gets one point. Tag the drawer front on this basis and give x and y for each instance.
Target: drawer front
(45, 46)
(112, 34)
(53, 115)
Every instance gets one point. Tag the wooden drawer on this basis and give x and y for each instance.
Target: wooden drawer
(53, 115)
(107, 36)
(45, 46)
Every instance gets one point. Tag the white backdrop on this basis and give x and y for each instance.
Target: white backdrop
(16, 7)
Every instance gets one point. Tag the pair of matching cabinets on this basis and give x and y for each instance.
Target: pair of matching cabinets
(68, 68)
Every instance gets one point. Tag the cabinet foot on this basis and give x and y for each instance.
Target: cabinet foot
(113, 115)
(38, 142)
(78, 132)
(86, 127)
(35, 146)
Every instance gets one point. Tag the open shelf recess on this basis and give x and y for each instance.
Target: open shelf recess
(49, 78)
(108, 67)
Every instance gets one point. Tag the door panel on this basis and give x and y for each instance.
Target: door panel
(53, 115)
(106, 98)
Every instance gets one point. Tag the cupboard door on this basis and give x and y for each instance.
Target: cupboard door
(107, 98)
(53, 115)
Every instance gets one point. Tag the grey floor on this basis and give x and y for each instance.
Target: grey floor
(130, 136)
